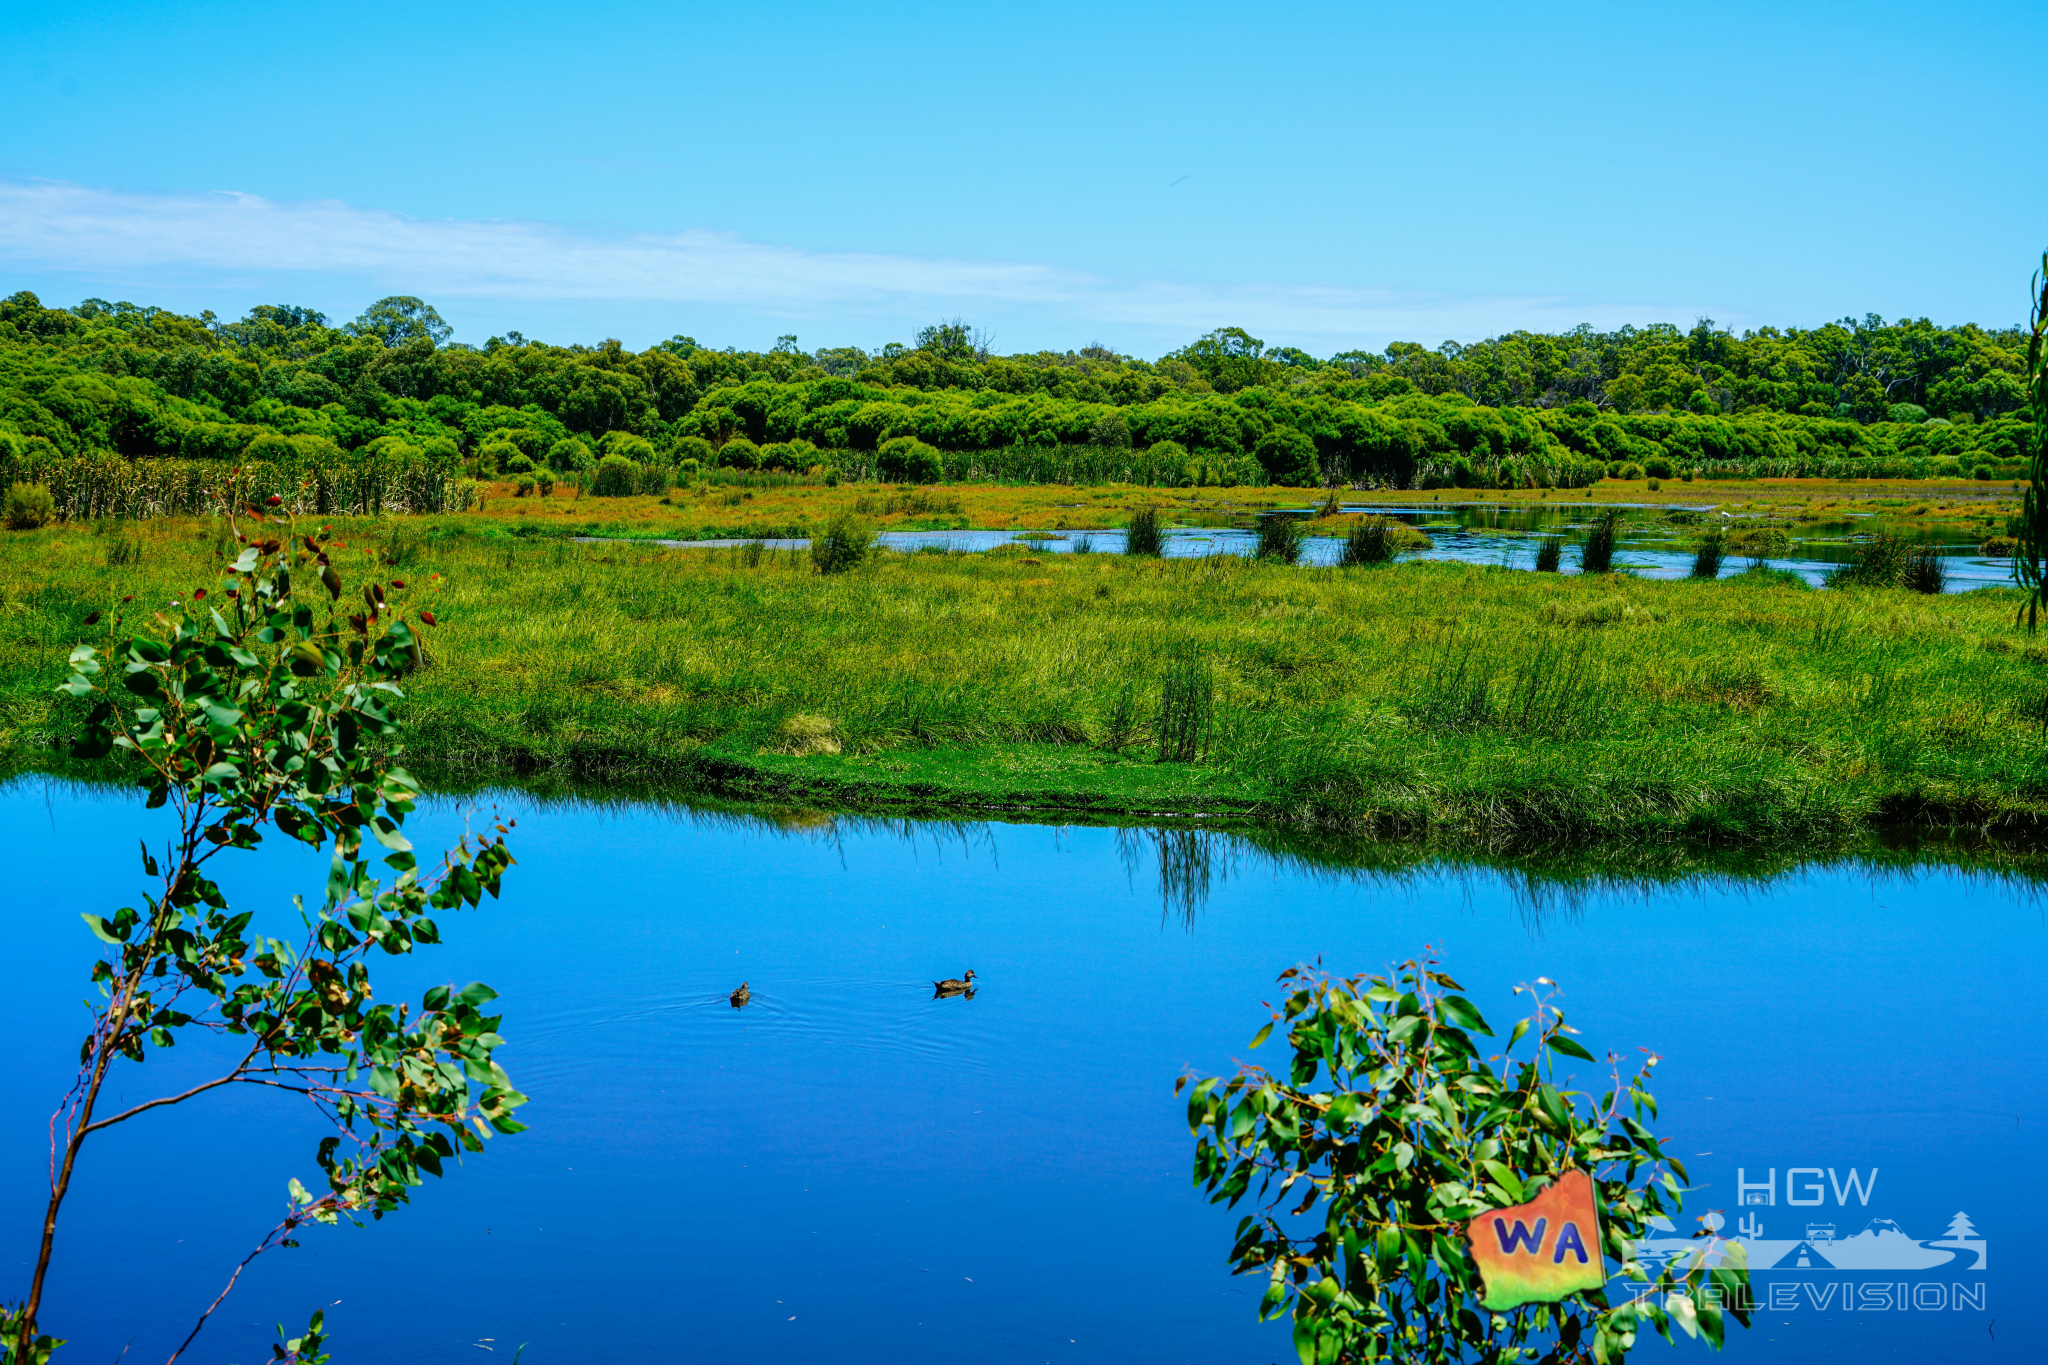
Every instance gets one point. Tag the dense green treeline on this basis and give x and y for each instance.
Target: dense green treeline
(284, 389)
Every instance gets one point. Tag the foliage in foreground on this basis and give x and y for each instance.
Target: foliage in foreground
(1411, 1135)
(268, 702)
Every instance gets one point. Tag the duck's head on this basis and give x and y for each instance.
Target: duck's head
(967, 975)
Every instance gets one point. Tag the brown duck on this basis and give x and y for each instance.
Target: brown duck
(741, 996)
(954, 985)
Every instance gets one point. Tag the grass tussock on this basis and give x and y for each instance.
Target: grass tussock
(1444, 700)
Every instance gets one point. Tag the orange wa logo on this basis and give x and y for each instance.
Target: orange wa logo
(1540, 1251)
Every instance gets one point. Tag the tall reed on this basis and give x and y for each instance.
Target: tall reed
(1925, 570)
(1187, 707)
(1549, 554)
(1877, 563)
(1280, 538)
(1368, 542)
(1144, 538)
(1706, 560)
(1597, 554)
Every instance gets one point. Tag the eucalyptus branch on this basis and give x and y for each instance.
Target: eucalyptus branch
(281, 722)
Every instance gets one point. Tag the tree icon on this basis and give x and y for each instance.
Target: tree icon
(1960, 1228)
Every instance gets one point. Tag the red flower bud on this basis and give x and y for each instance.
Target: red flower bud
(427, 617)
(398, 582)
(273, 500)
(200, 595)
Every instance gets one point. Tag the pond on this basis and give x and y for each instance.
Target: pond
(851, 1170)
(1651, 541)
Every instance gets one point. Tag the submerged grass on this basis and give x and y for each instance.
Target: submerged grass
(1461, 704)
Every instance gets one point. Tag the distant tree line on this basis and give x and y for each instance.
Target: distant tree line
(284, 386)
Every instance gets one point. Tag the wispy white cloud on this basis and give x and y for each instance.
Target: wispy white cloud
(103, 234)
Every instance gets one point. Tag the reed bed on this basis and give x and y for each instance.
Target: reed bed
(1437, 699)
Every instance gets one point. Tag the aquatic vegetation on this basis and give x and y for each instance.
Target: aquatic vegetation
(1706, 559)
(1924, 571)
(1370, 540)
(1143, 536)
(1596, 555)
(1879, 562)
(1387, 1125)
(1549, 554)
(1280, 537)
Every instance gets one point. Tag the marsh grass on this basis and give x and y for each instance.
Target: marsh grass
(1925, 571)
(1430, 698)
(1596, 556)
(1557, 691)
(1187, 707)
(844, 544)
(1143, 537)
(1706, 559)
(1549, 554)
(1368, 542)
(1280, 537)
(1120, 722)
(1879, 562)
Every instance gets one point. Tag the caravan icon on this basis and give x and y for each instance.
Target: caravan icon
(1820, 1232)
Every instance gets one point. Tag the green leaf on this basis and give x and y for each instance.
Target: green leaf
(101, 930)
(1262, 1035)
(1560, 1043)
(1461, 1012)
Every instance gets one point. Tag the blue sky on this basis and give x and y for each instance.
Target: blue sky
(1327, 175)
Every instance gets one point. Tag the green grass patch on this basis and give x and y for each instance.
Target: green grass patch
(1457, 705)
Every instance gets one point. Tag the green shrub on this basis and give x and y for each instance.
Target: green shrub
(494, 456)
(570, 455)
(638, 449)
(687, 470)
(1288, 457)
(905, 459)
(546, 480)
(698, 449)
(846, 542)
(1906, 412)
(1657, 467)
(740, 453)
(30, 505)
(518, 464)
(790, 455)
(617, 477)
(525, 486)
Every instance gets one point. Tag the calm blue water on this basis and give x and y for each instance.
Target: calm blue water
(1465, 533)
(849, 1170)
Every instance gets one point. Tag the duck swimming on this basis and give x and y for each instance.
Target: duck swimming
(960, 985)
(741, 996)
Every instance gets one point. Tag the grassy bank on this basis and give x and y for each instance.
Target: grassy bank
(1467, 706)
